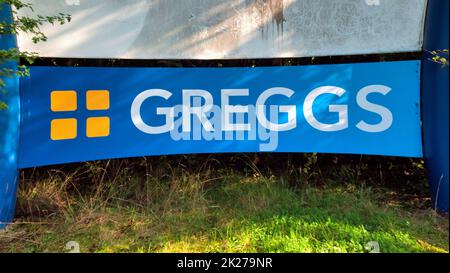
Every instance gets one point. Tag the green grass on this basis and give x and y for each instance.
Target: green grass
(230, 212)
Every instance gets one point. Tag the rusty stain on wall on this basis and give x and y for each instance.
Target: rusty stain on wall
(271, 11)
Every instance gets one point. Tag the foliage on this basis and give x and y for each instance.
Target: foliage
(439, 56)
(22, 24)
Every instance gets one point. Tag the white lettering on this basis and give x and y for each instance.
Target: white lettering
(341, 109)
(386, 115)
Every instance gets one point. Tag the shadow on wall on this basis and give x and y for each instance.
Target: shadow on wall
(214, 29)
(209, 29)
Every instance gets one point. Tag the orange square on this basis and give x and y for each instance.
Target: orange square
(97, 99)
(61, 101)
(63, 129)
(97, 127)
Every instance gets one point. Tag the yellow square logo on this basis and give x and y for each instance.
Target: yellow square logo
(63, 101)
(97, 127)
(97, 99)
(63, 129)
(66, 101)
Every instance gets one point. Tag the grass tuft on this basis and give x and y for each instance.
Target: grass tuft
(236, 204)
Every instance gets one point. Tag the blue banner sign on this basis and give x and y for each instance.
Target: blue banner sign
(72, 114)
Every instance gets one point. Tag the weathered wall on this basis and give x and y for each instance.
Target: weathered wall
(205, 29)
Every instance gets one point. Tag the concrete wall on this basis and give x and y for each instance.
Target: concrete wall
(206, 29)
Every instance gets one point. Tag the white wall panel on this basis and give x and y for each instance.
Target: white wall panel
(206, 29)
